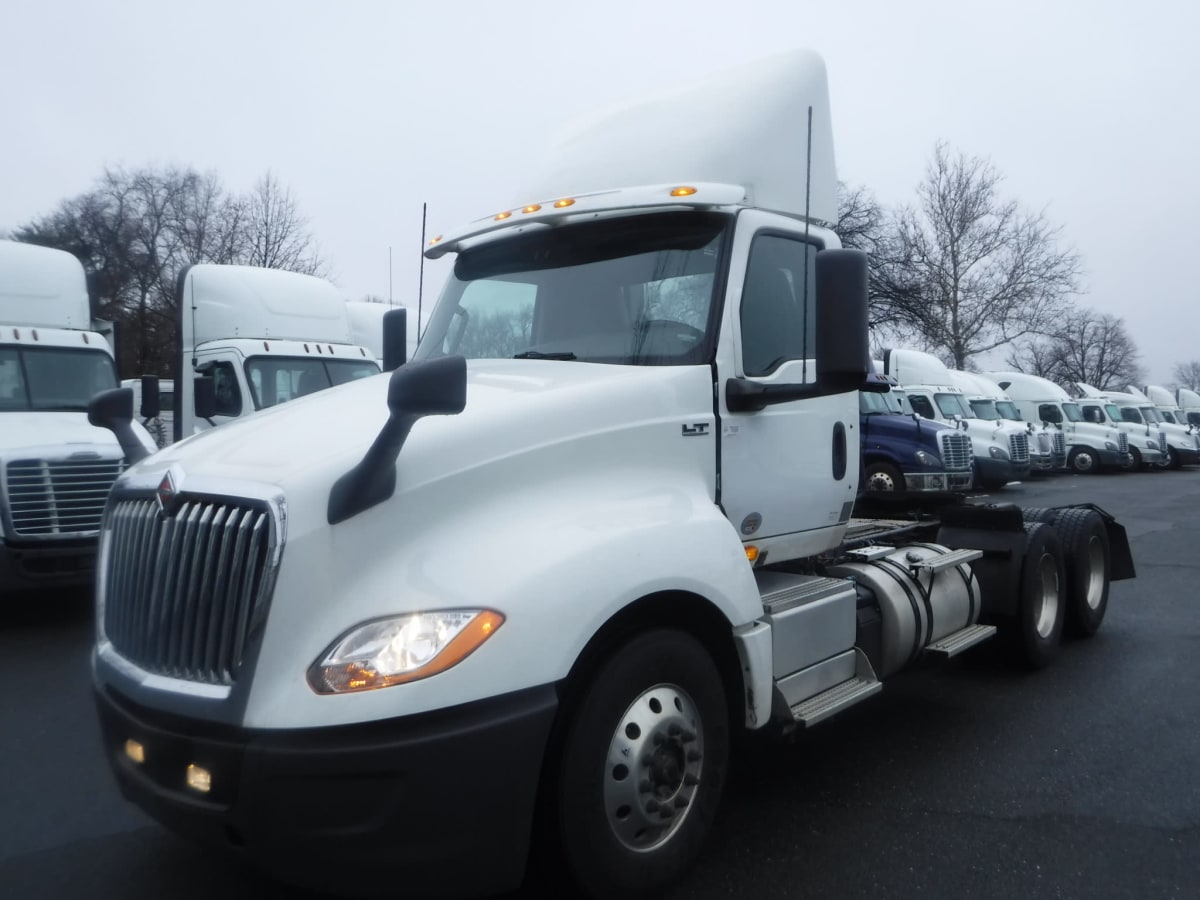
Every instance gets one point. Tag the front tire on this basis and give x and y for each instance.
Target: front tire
(884, 478)
(1083, 461)
(643, 766)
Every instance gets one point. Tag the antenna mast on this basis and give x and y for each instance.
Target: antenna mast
(421, 277)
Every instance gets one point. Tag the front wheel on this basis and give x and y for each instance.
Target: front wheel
(1083, 461)
(643, 766)
(884, 478)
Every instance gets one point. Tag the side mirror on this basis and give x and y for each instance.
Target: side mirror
(113, 409)
(150, 406)
(395, 338)
(204, 396)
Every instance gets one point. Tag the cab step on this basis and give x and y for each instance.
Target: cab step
(954, 644)
(821, 706)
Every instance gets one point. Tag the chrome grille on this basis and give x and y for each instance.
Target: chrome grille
(1162, 441)
(1060, 444)
(956, 451)
(1018, 445)
(1122, 442)
(59, 497)
(182, 594)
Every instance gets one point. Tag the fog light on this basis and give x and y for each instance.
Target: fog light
(199, 779)
(135, 751)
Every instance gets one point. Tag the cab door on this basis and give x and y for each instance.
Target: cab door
(788, 471)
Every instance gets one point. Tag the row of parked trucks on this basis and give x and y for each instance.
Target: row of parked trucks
(524, 590)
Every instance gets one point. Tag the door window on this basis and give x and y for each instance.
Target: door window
(778, 314)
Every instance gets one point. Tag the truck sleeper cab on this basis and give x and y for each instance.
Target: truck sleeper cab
(1091, 446)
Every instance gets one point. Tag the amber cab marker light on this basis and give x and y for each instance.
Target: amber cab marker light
(436, 240)
(500, 217)
(564, 202)
(135, 752)
(532, 208)
(751, 553)
(683, 192)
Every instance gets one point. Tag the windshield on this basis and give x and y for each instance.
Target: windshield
(627, 291)
(1150, 414)
(1168, 416)
(876, 404)
(953, 405)
(53, 378)
(985, 409)
(1072, 412)
(1008, 410)
(1125, 414)
(275, 380)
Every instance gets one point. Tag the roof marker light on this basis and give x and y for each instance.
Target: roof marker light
(500, 217)
(532, 208)
(683, 192)
(564, 202)
(435, 240)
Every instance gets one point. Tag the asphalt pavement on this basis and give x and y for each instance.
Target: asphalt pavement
(964, 779)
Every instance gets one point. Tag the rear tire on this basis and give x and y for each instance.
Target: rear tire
(1037, 630)
(643, 766)
(1085, 546)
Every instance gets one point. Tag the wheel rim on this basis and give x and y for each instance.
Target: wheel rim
(880, 481)
(1084, 462)
(1048, 610)
(654, 766)
(1095, 558)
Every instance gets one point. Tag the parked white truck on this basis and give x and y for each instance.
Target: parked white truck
(988, 401)
(252, 338)
(1180, 442)
(1189, 404)
(55, 468)
(1092, 446)
(378, 638)
(1147, 444)
(1001, 449)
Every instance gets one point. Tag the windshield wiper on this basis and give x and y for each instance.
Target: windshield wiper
(535, 354)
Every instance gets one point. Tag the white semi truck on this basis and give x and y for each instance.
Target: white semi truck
(531, 584)
(1147, 444)
(1092, 446)
(1189, 404)
(1001, 449)
(1179, 438)
(55, 468)
(252, 338)
(989, 402)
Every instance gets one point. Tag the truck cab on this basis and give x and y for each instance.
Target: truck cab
(1001, 450)
(253, 338)
(1047, 446)
(1147, 445)
(55, 467)
(1091, 446)
(904, 453)
(1189, 405)
(1180, 439)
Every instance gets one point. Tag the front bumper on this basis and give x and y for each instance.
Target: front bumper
(939, 481)
(39, 566)
(1113, 458)
(998, 470)
(437, 805)
(1188, 456)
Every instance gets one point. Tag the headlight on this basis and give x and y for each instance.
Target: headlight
(402, 648)
(1150, 445)
(1109, 445)
(927, 459)
(998, 453)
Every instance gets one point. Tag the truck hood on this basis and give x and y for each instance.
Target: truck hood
(58, 432)
(512, 406)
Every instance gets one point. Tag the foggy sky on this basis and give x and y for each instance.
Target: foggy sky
(368, 109)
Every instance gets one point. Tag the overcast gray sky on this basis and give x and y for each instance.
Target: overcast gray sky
(367, 109)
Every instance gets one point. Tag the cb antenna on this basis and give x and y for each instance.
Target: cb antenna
(421, 276)
(807, 219)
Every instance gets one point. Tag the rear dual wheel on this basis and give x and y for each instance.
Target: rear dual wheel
(1086, 558)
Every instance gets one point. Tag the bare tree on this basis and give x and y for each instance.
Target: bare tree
(136, 230)
(1187, 374)
(970, 272)
(1087, 346)
(276, 234)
